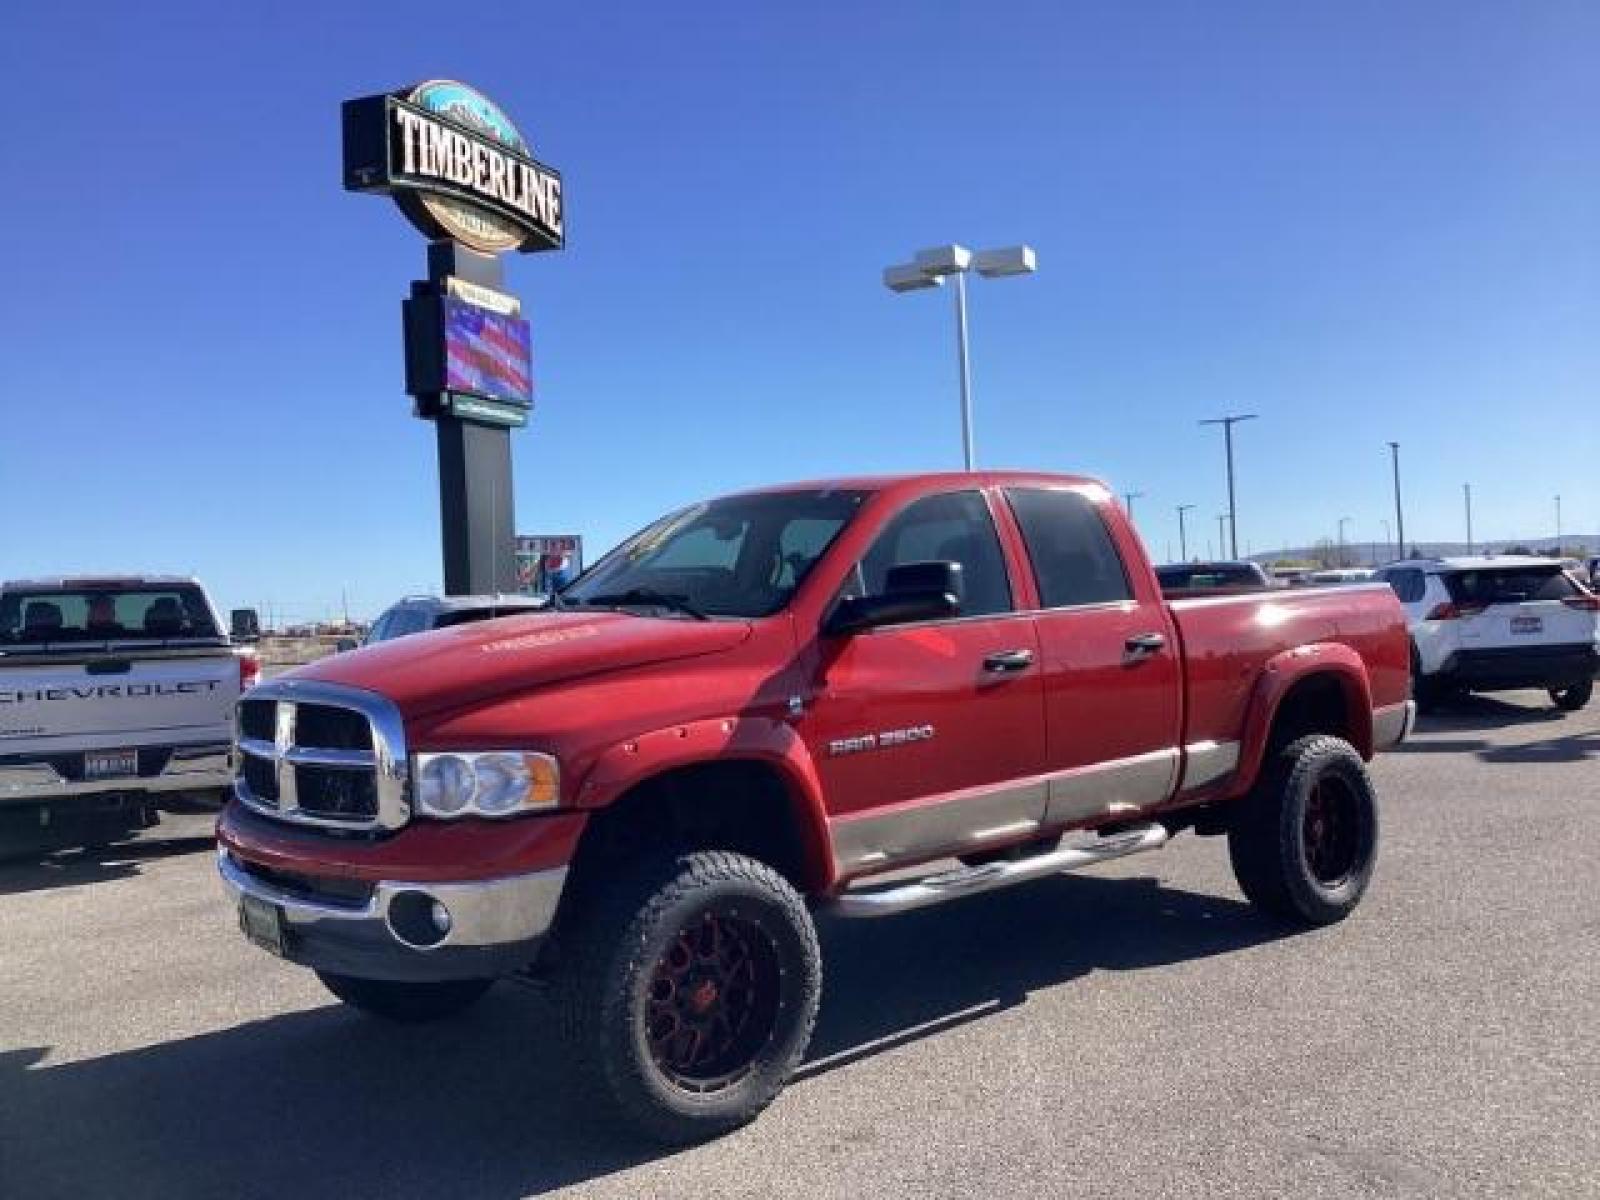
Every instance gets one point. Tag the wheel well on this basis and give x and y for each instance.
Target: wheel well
(743, 805)
(1317, 704)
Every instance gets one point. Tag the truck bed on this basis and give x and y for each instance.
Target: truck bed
(1226, 639)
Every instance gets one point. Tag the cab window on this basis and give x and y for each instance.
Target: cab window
(952, 527)
(1070, 547)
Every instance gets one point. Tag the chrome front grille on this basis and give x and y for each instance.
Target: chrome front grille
(321, 754)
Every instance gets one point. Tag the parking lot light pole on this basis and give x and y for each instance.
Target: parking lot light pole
(1183, 537)
(929, 269)
(1127, 502)
(1343, 521)
(1227, 424)
(1558, 524)
(1399, 516)
(1466, 490)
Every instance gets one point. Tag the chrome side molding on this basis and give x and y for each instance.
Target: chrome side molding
(969, 881)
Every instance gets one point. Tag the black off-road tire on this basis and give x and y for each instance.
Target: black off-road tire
(1571, 699)
(408, 1003)
(1305, 841)
(629, 994)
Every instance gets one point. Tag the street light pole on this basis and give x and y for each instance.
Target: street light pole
(965, 368)
(1127, 502)
(928, 270)
(1466, 489)
(1183, 537)
(1227, 424)
(1399, 516)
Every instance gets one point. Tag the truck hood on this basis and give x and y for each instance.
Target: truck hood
(466, 665)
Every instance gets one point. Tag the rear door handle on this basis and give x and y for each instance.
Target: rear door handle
(1143, 645)
(1009, 660)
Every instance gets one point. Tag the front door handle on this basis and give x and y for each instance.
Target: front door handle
(1143, 645)
(1009, 660)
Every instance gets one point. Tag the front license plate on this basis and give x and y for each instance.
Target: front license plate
(110, 764)
(263, 924)
(1527, 624)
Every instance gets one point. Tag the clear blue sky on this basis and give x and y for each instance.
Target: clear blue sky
(1362, 220)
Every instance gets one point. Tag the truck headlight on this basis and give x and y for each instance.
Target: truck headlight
(485, 783)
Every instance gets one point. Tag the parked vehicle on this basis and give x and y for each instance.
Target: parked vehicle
(1497, 623)
(115, 693)
(765, 703)
(1209, 576)
(418, 614)
(1339, 576)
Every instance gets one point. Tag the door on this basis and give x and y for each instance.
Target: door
(1109, 661)
(929, 737)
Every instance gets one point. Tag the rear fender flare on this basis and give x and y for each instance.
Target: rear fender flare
(1283, 671)
(720, 740)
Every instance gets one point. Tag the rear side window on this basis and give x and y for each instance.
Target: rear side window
(1508, 585)
(1070, 547)
(1408, 583)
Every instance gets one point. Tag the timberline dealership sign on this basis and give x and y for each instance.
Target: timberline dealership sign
(456, 165)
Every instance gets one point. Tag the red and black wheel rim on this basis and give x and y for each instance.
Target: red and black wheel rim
(1332, 831)
(713, 1001)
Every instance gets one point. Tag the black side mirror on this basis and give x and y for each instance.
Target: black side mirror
(924, 591)
(245, 625)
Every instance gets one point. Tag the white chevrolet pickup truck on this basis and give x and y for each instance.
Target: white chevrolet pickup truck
(114, 694)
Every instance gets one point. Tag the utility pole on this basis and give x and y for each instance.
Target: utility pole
(1466, 489)
(1183, 537)
(1399, 516)
(1127, 502)
(1227, 424)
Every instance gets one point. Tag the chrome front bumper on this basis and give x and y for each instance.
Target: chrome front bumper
(188, 769)
(496, 925)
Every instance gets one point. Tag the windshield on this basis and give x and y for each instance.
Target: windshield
(104, 614)
(742, 556)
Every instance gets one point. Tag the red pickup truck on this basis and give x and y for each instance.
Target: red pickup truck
(761, 705)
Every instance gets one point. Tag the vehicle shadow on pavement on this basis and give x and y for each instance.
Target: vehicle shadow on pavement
(896, 980)
(1573, 748)
(1485, 713)
(95, 864)
(325, 1104)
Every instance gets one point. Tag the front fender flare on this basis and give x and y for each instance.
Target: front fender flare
(720, 740)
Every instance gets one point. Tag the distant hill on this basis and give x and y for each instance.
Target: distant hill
(1367, 554)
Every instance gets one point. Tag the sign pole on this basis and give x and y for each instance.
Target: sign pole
(477, 518)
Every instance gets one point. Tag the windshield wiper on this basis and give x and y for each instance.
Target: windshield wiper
(644, 595)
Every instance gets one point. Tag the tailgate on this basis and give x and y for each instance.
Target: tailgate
(117, 702)
(1530, 623)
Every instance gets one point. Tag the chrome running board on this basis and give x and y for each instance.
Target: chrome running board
(969, 881)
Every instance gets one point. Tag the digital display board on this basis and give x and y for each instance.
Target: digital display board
(486, 353)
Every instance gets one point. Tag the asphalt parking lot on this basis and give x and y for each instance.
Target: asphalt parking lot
(1136, 1031)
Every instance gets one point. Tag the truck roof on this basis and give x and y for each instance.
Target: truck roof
(879, 483)
(1477, 562)
(64, 582)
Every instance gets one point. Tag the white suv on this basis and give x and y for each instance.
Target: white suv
(1496, 624)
